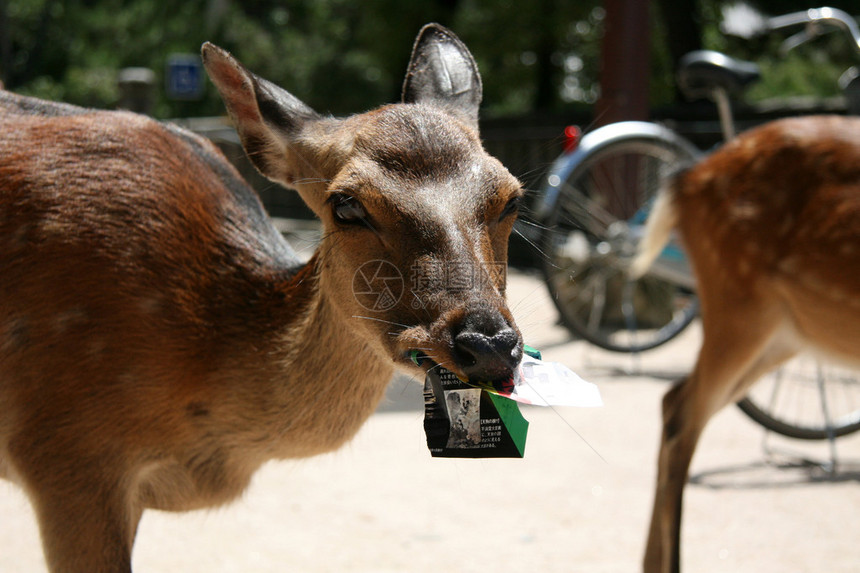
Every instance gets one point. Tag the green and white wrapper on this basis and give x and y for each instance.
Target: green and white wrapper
(473, 419)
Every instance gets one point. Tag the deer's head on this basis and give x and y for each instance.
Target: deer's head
(416, 214)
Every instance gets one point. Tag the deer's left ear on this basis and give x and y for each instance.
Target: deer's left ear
(269, 119)
(443, 72)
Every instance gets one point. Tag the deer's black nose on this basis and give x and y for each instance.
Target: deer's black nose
(487, 349)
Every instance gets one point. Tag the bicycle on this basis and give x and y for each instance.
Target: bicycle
(592, 209)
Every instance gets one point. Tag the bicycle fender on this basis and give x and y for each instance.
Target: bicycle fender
(593, 141)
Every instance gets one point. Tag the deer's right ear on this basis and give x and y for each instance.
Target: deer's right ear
(443, 72)
(268, 118)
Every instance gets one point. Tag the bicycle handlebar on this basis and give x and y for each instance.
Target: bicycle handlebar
(816, 20)
(745, 22)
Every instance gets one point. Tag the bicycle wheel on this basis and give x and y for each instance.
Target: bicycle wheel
(590, 236)
(807, 400)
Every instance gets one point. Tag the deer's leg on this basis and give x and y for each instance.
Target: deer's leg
(87, 517)
(680, 435)
(93, 532)
(732, 358)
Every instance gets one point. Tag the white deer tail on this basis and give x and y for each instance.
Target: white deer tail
(658, 228)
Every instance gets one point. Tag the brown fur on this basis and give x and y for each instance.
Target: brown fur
(771, 223)
(159, 340)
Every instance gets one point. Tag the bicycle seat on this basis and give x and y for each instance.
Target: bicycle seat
(700, 72)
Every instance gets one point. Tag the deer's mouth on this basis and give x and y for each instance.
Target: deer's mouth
(473, 357)
(503, 383)
(474, 337)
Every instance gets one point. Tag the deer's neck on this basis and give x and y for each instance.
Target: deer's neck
(286, 376)
(333, 376)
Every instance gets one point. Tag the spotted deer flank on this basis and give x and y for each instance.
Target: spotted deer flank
(771, 224)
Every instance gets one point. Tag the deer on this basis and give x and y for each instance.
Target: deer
(771, 225)
(160, 340)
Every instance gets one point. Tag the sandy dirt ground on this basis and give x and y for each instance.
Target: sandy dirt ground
(579, 500)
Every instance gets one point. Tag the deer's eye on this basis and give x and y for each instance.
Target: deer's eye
(512, 206)
(347, 209)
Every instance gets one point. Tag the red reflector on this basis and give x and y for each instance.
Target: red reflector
(571, 138)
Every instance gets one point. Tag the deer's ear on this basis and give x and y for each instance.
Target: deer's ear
(442, 72)
(268, 118)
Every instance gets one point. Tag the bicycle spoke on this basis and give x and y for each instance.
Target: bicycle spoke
(776, 387)
(598, 305)
(612, 186)
(582, 208)
(564, 273)
(628, 310)
(807, 402)
(584, 283)
(825, 410)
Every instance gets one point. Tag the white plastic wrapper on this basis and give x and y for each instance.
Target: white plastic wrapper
(552, 384)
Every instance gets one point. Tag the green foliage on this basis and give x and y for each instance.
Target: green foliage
(538, 54)
(804, 72)
(812, 69)
(343, 56)
(339, 55)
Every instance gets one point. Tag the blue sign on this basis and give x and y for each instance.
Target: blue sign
(184, 77)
